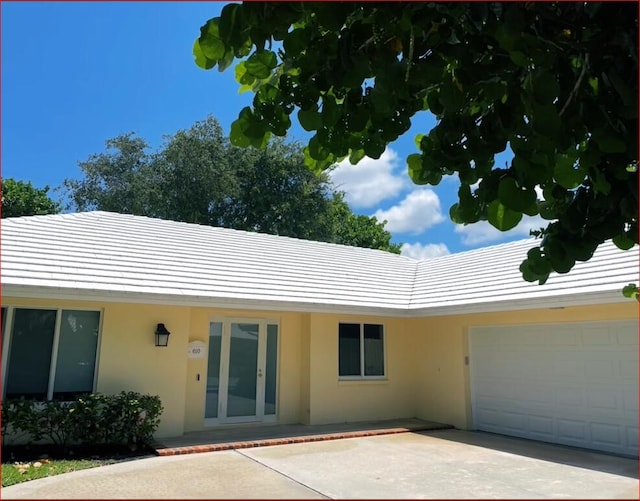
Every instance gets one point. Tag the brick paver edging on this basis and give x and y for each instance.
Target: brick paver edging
(174, 451)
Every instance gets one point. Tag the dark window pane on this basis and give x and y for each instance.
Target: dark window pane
(373, 350)
(270, 371)
(77, 346)
(30, 353)
(349, 350)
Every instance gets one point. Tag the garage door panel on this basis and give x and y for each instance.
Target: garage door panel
(573, 396)
(541, 426)
(625, 337)
(606, 434)
(579, 387)
(603, 398)
(571, 429)
(596, 337)
(628, 366)
(630, 399)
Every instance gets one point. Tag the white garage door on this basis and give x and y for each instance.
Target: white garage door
(572, 384)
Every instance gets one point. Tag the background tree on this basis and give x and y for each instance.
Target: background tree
(198, 176)
(21, 198)
(359, 230)
(116, 181)
(557, 83)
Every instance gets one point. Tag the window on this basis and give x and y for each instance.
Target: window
(51, 353)
(360, 350)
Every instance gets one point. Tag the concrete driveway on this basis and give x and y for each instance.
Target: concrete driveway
(441, 464)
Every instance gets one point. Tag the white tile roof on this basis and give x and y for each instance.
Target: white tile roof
(116, 257)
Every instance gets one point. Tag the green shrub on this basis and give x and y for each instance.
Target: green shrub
(127, 418)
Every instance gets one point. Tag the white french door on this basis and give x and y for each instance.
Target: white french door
(241, 371)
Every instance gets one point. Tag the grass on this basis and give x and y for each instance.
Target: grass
(22, 472)
(24, 463)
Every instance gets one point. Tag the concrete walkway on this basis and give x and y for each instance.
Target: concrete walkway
(434, 464)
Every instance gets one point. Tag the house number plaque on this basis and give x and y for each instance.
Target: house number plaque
(197, 349)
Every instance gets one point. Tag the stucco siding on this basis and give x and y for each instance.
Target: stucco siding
(290, 340)
(128, 358)
(334, 400)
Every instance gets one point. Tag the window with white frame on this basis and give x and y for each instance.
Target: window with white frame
(360, 350)
(49, 354)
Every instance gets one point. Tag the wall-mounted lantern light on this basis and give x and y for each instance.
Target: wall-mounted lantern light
(162, 335)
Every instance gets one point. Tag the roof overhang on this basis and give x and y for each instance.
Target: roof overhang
(302, 306)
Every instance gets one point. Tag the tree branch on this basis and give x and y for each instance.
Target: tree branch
(577, 85)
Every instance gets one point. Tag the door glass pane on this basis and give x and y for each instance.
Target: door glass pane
(213, 370)
(349, 350)
(373, 350)
(270, 370)
(243, 370)
(30, 353)
(77, 345)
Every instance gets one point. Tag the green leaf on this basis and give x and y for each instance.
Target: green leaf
(201, 60)
(608, 141)
(501, 217)
(316, 150)
(310, 119)
(237, 136)
(631, 291)
(545, 87)
(210, 43)
(233, 25)
(374, 147)
(467, 210)
(330, 111)
(519, 58)
(513, 197)
(561, 261)
(623, 242)
(355, 156)
(414, 164)
(546, 120)
(242, 77)
(297, 41)
(567, 173)
(260, 64)
(623, 90)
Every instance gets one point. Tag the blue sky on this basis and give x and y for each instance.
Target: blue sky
(75, 74)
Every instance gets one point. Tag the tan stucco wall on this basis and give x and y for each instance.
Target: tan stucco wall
(289, 361)
(128, 358)
(443, 392)
(426, 374)
(333, 400)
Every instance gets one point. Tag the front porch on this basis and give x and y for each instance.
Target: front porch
(245, 436)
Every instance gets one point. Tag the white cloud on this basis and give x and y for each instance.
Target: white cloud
(418, 211)
(482, 232)
(419, 251)
(370, 181)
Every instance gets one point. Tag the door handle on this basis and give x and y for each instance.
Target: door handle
(259, 372)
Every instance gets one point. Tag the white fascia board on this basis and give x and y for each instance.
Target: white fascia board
(549, 303)
(53, 293)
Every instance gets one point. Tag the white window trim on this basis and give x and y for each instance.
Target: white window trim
(6, 342)
(362, 376)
